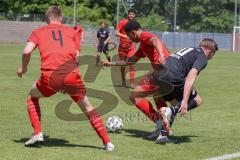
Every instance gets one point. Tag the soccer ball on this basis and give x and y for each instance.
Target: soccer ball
(114, 124)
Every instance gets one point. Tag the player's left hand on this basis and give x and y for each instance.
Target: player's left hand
(183, 109)
(21, 71)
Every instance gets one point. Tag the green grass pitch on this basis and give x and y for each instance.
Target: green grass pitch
(212, 131)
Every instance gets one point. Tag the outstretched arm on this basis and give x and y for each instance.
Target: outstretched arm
(130, 61)
(191, 77)
(26, 55)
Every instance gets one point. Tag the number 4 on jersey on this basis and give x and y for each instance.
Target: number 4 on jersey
(60, 39)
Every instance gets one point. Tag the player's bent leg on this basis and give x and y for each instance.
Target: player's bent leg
(108, 56)
(98, 59)
(168, 113)
(96, 122)
(137, 96)
(123, 56)
(34, 92)
(132, 76)
(39, 89)
(34, 116)
(159, 102)
(130, 53)
(196, 102)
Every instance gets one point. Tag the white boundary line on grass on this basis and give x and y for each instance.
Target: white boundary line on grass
(226, 156)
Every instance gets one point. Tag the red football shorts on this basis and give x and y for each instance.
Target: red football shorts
(126, 52)
(70, 83)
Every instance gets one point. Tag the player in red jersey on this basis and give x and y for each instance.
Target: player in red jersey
(80, 30)
(59, 47)
(126, 48)
(152, 48)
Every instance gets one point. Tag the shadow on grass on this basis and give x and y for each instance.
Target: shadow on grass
(137, 133)
(55, 142)
(143, 134)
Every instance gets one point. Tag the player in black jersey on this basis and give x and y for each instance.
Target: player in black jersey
(178, 76)
(103, 37)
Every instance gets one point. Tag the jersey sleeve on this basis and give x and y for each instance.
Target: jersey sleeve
(98, 34)
(146, 39)
(108, 33)
(200, 63)
(120, 26)
(33, 38)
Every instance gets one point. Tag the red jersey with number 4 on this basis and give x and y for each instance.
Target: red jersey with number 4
(146, 49)
(57, 44)
(125, 43)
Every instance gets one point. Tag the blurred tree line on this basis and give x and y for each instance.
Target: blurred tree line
(192, 15)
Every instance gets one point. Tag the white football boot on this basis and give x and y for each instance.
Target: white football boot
(109, 146)
(35, 139)
(167, 117)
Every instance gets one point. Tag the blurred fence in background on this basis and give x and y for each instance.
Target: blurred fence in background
(15, 28)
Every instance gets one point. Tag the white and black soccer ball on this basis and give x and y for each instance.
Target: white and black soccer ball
(114, 124)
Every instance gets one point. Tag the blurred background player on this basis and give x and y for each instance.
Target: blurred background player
(80, 30)
(103, 37)
(126, 48)
(152, 48)
(59, 45)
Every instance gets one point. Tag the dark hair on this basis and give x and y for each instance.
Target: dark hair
(209, 43)
(132, 25)
(132, 11)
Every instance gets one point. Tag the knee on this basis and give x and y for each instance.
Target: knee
(85, 105)
(88, 108)
(199, 100)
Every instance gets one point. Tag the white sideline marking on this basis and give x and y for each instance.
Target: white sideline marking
(226, 156)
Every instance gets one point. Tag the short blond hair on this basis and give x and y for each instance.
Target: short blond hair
(53, 13)
(209, 43)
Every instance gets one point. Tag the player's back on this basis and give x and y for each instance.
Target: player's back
(147, 47)
(185, 59)
(56, 43)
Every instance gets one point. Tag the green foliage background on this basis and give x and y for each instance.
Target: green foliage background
(193, 16)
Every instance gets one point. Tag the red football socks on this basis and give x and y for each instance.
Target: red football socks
(34, 114)
(98, 125)
(146, 107)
